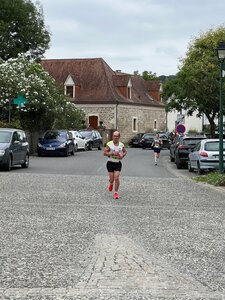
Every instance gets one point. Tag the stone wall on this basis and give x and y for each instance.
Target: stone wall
(122, 116)
(148, 119)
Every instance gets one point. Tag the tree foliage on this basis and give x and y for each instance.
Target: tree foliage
(46, 105)
(146, 75)
(196, 85)
(22, 29)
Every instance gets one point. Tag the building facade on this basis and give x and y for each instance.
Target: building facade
(113, 99)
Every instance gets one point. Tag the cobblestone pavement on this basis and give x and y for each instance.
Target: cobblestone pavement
(64, 237)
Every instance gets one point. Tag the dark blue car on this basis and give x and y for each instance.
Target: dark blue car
(56, 142)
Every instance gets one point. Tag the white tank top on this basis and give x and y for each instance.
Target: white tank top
(113, 148)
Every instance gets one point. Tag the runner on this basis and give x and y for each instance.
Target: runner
(157, 143)
(115, 152)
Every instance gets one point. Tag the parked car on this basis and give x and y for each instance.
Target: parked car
(93, 138)
(79, 141)
(165, 139)
(147, 140)
(173, 146)
(56, 142)
(181, 147)
(135, 141)
(205, 156)
(14, 148)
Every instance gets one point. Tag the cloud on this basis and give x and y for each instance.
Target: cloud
(129, 34)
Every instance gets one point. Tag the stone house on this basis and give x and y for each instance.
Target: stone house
(112, 99)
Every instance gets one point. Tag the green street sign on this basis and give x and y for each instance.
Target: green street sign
(19, 101)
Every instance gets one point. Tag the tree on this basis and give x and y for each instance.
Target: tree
(45, 105)
(148, 75)
(196, 86)
(22, 29)
(71, 118)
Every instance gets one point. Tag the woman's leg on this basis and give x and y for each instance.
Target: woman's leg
(155, 157)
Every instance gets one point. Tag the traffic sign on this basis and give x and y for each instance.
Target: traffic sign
(180, 119)
(180, 128)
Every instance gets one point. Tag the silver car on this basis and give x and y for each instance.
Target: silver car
(14, 148)
(205, 156)
(79, 141)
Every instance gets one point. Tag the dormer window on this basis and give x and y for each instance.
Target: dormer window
(70, 91)
(69, 87)
(129, 86)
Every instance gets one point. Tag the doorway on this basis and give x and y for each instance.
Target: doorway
(93, 122)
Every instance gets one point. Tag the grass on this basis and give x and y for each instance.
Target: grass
(214, 178)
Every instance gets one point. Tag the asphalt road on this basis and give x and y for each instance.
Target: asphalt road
(138, 163)
(64, 237)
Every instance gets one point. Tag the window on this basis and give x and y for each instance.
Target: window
(20, 136)
(129, 86)
(155, 125)
(129, 92)
(134, 124)
(69, 87)
(69, 91)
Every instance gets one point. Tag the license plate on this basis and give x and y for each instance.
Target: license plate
(50, 148)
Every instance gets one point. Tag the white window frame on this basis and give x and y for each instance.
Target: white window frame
(129, 86)
(155, 125)
(68, 83)
(134, 120)
(73, 93)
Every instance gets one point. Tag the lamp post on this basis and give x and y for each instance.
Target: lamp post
(221, 57)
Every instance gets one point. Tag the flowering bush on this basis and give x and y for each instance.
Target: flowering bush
(45, 104)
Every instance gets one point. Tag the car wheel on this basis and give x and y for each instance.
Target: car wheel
(8, 165)
(100, 146)
(39, 153)
(66, 152)
(143, 148)
(200, 171)
(178, 164)
(190, 169)
(90, 146)
(26, 162)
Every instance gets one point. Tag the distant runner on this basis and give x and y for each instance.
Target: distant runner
(115, 151)
(157, 143)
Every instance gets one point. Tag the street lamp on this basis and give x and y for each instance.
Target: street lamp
(221, 57)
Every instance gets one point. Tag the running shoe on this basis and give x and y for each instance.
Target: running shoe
(116, 196)
(110, 187)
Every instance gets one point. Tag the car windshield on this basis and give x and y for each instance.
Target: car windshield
(5, 136)
(163, 137)
(191, 142)
(86, 134)
(213, 146)
(55, 135)
(148, 136)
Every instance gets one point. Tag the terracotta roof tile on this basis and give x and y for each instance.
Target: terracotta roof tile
(99, 83)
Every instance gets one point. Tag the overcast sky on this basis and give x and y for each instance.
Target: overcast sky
(129, 35)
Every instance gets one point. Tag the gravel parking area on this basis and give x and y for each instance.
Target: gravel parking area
(65, 237)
